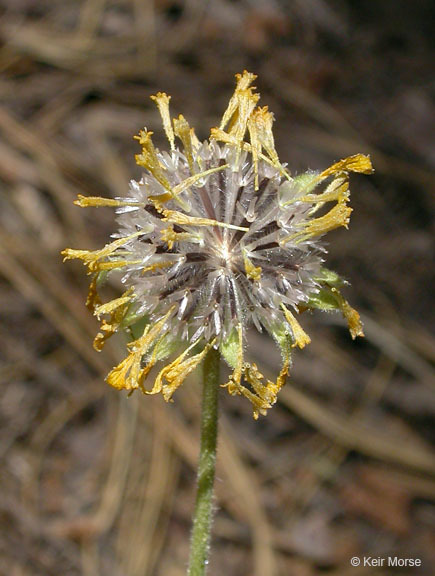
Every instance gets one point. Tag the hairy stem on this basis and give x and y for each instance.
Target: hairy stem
(202, 520)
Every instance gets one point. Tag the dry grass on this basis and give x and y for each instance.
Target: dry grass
(93, 483)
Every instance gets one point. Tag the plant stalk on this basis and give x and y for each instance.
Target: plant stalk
(203, 515)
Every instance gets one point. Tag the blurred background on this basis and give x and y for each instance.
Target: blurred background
(93, 483)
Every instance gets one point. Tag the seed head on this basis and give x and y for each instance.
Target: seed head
(217, 237)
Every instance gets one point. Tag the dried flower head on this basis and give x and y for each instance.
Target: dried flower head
(215, 238)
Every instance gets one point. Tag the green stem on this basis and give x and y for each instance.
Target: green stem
(202, 520)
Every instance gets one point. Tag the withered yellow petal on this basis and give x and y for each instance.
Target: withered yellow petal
(188, 182)
(117, 309)
(301, 338)
(109, 307)
(185, 220)
(127, 375)
(338, 216)
(246, 102)
(174, 374)
(112, 265)
(184, 133)
(162, 101)
(85, 201)
(357, 163)
(93, 300)
(350, 314)
(263, 121)
(244, 80)
(149, 159)
(337, 191)
(90, 256)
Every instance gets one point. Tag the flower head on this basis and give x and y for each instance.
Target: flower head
(217, 237)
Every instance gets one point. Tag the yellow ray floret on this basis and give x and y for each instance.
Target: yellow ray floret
(113, 264)
(158, 266)
(162, 101)
(93, 299)
(262, 396)
(184, 133)
(244, 80)
(253, 376)
(174, 374)
(151, 362)
(96, 201)
(242, 115)
(185, 184)
(91, 257)
(109, 307)
(160, 199)
(358, 163)
(337, 191)
(246, 102)
(117, 309)
(265, 394)
(350, 314)
(149, 159)
(221, 136)
(260, 125)
(338, 216)
(300, 337)
(263, 120)
(273, 388)
(129, 374)
(261, 136)
(183, 220)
